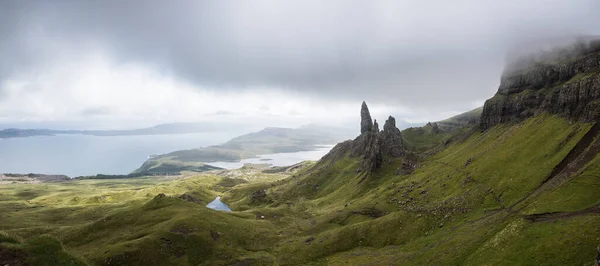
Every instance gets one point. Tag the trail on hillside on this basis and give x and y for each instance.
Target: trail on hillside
(552, 216)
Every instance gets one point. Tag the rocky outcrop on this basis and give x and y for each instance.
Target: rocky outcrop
(568, 86)
(368, 147)
(258, 196)
(372, 146)
(366, 124)
(391, 138)
(435, 128)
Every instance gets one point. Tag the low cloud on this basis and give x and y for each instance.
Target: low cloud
(62, 59)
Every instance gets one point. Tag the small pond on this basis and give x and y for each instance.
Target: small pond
(218, 205)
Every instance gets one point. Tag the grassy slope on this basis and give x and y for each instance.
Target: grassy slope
(421, 139)
(447, 212)
(484, 230)
(122, 222)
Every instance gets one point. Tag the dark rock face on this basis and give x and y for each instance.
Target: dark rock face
(372, 146)
(569, 87)
(258, 196)
(190, 198)
(366, 124)
(435, 128)
(407, 167)
(392, 143)
(368, 147)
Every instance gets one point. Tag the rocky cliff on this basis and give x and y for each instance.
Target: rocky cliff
(374, 147)
(563, 81)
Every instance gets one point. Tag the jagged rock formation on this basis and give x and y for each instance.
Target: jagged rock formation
(435, 128)
(366, 124)
(372, 146)
(392, 142)
(564, 85)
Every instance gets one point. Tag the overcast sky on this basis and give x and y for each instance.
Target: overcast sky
(276, 63)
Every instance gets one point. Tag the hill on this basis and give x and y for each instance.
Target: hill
(519, 187)
(425, 138)
(266, 141)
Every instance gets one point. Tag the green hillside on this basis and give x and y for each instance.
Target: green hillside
(513, 183)
(478, 201)
(432, 135)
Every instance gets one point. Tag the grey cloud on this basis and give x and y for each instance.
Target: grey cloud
(96, 111)
(223, 112)
(413, 53)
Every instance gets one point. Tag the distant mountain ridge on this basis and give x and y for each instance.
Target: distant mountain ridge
(161, 129)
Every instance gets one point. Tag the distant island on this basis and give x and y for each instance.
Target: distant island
(267, 141)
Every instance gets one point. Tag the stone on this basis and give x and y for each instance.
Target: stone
(309, 240)
(392, 143)
(406, 168)
(258, 196)
(215, 235)
(468, 162)
(366, 124)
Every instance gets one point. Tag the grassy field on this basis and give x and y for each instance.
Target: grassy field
(488, 198)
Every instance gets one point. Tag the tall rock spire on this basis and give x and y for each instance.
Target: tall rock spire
(366, 124)
(372, 146)
(392, 142)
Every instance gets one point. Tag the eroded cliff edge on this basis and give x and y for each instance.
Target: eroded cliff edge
(564, 81)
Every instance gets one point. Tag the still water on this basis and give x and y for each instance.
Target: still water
(76, 155)
(218, 205)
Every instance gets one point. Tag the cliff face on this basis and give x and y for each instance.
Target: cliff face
(372, 146)
(568, 86)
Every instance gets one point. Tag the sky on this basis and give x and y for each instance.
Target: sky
(126, 64)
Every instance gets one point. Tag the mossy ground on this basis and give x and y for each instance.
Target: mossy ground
(458, 207)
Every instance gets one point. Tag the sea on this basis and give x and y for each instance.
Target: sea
(82, 155)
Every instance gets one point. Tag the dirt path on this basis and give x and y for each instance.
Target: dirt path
(552, 216)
